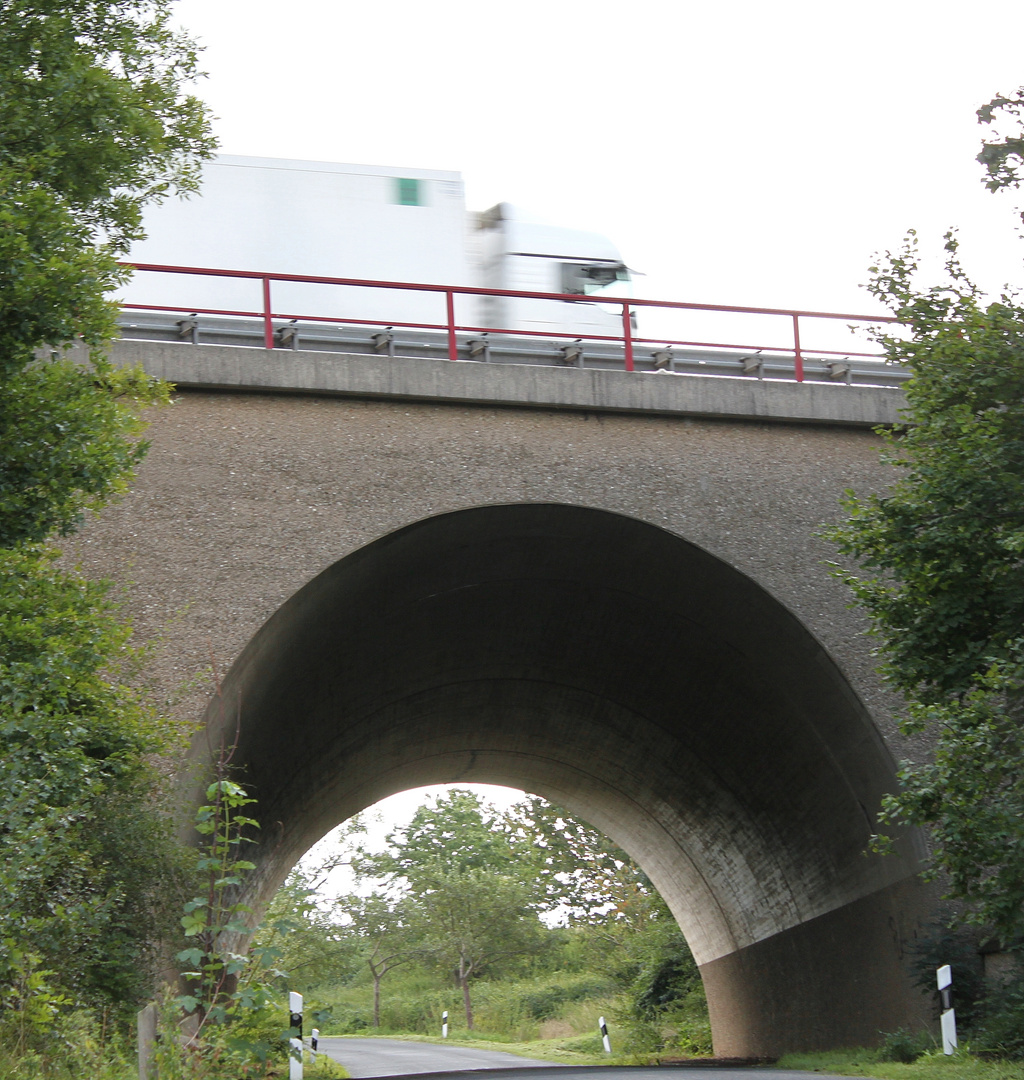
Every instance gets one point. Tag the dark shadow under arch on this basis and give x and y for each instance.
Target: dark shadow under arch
(653, 689)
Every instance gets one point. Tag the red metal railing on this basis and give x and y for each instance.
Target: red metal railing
(626, 338)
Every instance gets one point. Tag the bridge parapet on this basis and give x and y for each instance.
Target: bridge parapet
(661, 393)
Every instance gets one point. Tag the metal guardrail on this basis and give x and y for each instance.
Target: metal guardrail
(273, 329)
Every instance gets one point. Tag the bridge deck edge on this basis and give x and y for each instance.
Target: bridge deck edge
(248, 370)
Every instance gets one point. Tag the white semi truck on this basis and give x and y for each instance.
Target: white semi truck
(371, 223)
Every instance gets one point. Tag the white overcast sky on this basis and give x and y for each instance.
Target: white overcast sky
(744, 153)
(747, 152)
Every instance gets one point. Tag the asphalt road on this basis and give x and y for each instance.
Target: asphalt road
(391, 1057)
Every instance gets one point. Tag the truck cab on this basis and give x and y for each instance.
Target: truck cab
(520, 255)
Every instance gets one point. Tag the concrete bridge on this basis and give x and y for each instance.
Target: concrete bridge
(603, 587)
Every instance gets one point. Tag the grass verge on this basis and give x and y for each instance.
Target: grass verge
(930, 1066)
(322, 1068)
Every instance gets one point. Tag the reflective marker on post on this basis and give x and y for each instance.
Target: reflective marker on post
(604, 1035)
(295, 1043)
(314, 1038)
(944, 977)
(444, 1024)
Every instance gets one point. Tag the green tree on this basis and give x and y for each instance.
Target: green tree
(81, 856)
(1003, 154)
(385, 929)
(301, 940)
(570, 866)
(947, 537)
(93, 123)
(71, 442)
(580, 872)
(94, 109)
(473, 919)
(458, 887)
(623, 925)
(941, 576)
(468, 886)
(454, 831)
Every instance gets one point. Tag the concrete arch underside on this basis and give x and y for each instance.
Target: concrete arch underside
(615, 668)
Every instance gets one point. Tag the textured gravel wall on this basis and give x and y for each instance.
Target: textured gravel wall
(244, 498)
(756, 841)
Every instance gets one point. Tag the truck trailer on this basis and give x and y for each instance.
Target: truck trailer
(377, 223)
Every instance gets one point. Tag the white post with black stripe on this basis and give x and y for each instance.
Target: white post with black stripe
(944, 977)
(605, 1041)
(314, 1040)
(295, 1042)
(444, 1024)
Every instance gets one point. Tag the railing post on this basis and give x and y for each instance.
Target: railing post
(798, 356)
(268, 322)
(627, 336)
(453, 345)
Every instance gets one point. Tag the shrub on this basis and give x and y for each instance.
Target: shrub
(1001, 1029)
(902, 1046)
(957, 947)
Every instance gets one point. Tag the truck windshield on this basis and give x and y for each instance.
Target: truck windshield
(595, 279)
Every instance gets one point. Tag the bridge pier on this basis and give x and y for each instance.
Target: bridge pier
(838, 980)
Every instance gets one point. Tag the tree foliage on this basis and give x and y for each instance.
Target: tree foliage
(387, 932)
(456, 832)
(945, 542)
(475, 891)
(53, 277)
(941, 577)
(80, 859)
(584, 876)
(94, 108)
(71, 442)
(971, 794)
(465, 898)
(303, 938)
(1003, 155)
(471, 920)
(94, 122)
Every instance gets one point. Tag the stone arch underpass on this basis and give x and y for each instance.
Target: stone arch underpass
(658, 692)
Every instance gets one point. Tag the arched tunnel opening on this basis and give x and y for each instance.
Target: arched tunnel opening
(655, 691)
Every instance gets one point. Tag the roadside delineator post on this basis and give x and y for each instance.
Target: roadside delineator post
(444, 1024)
(314, 1039)
(944, 977)
(603, 1027)
(295, 1042)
